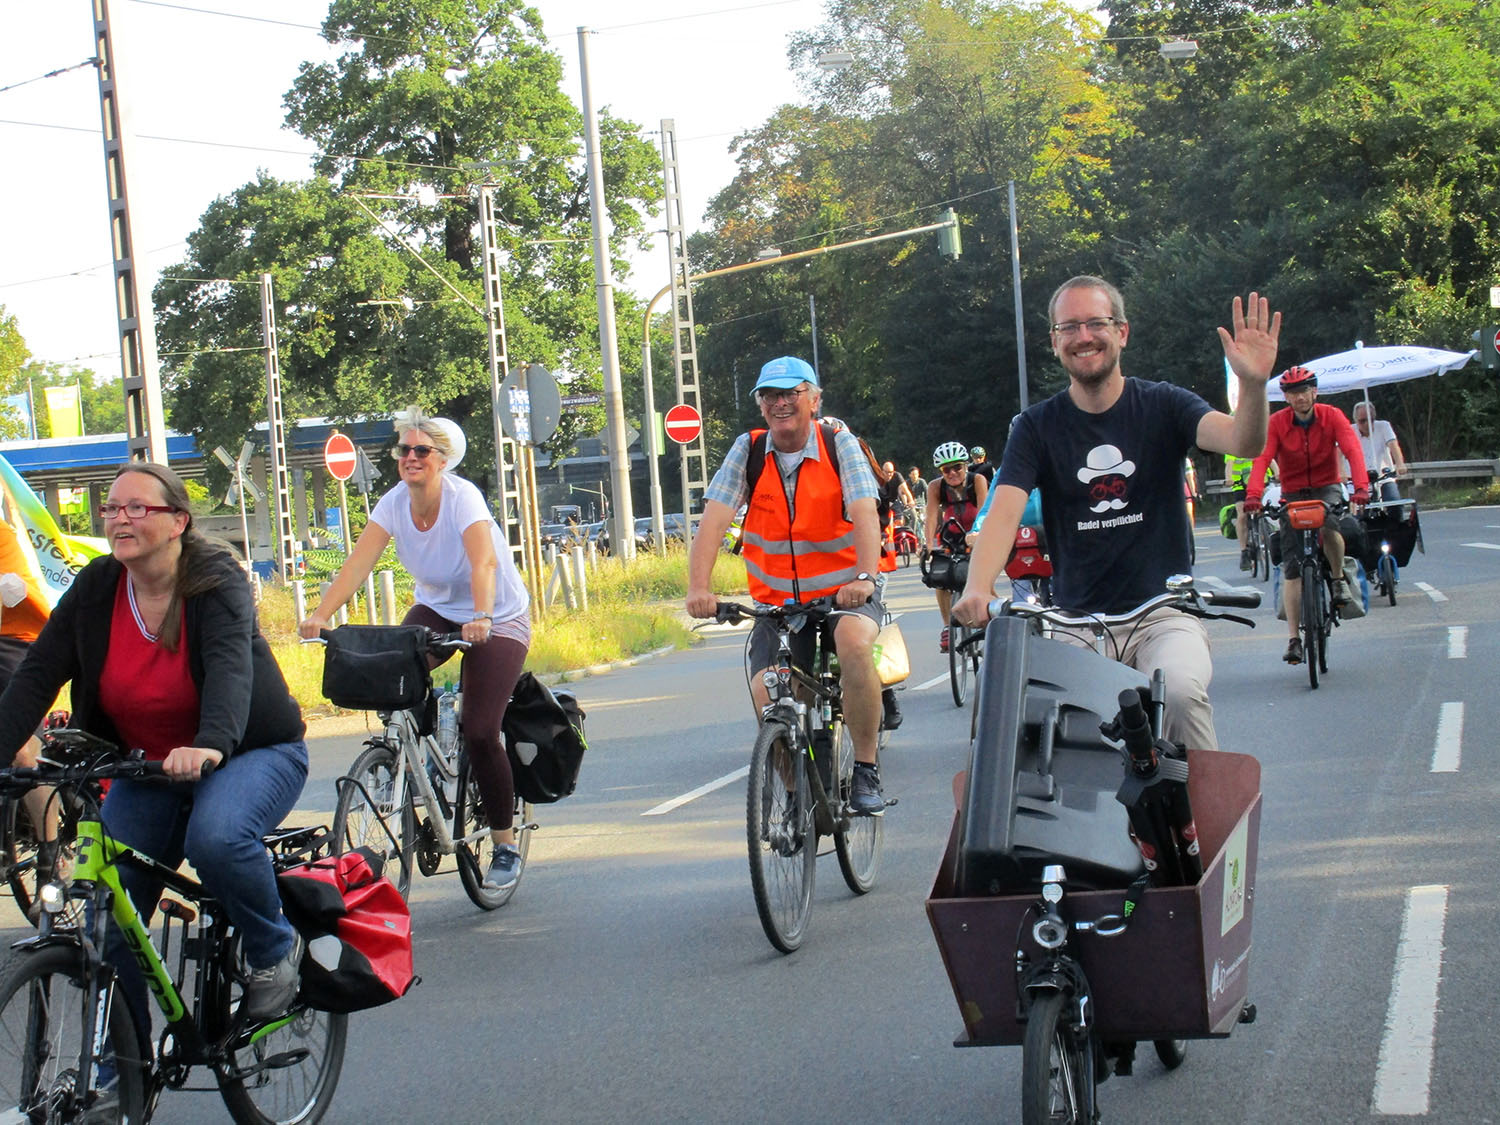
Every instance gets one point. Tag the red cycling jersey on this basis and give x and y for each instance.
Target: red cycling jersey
(1306, 456)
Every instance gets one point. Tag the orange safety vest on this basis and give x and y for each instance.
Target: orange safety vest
(804, 558)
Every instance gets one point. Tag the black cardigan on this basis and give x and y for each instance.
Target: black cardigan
(244, 701)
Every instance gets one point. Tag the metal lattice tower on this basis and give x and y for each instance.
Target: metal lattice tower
(508, 482)
(284, 538)
(145, 420)
(684, 335)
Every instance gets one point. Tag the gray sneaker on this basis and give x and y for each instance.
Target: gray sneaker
(271, 990)
(505, 868)
(865, 797)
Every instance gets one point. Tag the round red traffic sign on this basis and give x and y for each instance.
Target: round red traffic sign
(684, 423)
(339, 456)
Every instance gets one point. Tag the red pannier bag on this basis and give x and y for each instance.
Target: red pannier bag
(357, 928)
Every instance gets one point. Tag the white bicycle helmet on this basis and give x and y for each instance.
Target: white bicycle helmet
(949, 453)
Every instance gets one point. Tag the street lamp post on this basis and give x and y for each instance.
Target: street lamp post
(947, 226)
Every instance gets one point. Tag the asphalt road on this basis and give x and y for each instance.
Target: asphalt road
(629, 980)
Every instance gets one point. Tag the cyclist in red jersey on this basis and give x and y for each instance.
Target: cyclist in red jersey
(1304, 441)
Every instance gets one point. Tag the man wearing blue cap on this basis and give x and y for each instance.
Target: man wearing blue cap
(811, 530)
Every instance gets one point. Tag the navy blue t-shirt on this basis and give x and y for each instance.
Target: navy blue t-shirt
(1112, 491)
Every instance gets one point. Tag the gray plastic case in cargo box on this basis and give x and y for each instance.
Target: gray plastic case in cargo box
(1042, 779)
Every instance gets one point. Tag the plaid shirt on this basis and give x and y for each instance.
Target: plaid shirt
(856, 478)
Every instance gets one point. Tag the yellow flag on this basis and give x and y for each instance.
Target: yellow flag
(65, 410)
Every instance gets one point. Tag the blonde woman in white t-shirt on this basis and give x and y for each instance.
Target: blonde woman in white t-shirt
(466, 581)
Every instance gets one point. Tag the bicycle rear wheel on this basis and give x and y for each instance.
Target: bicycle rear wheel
(1057, 1066)
(856, 839)
(959, 671)
(44, 1021)
(379, 807)
(287, 1075)
(782, 840)
(471, 817)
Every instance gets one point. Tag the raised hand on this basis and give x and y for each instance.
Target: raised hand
(1250, 342)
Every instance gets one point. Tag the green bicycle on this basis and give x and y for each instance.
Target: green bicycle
(64, 1021)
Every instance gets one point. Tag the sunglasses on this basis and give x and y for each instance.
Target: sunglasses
(420, 450)
(956, 467)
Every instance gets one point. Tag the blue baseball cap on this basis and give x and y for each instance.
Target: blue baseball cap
(785, 373)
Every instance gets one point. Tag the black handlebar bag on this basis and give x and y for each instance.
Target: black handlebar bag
(376, 667)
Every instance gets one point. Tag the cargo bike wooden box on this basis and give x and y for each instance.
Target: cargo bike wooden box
(1040, 790)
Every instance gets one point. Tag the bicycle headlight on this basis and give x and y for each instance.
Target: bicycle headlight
(53, 897)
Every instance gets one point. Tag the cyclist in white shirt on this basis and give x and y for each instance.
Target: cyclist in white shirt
(1382, 450)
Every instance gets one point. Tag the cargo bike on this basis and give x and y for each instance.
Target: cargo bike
(1391, 533)
(1054, 934)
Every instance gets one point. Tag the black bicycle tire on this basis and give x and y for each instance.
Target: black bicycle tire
(471, 867)
(1171, 1052)
(1312, 625)
(1387, 570)
(67, 961)
(857, 840)
(958, 663)
(776, 752)
(1047, 1032)
(237, 1096)
(375, 752)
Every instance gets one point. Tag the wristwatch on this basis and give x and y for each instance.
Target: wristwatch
(863, 577)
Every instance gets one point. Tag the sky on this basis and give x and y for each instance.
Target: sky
(203, 89)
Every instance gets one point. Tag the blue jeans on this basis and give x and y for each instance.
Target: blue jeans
(216, 824)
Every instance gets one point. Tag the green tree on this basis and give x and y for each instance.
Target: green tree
(430, 94)
(13, 357)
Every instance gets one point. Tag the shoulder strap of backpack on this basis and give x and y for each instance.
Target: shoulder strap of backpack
(755, 461)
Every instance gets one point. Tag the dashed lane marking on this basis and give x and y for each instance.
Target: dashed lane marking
(1448, 748)
(1458, 642)
(1483, 546)
(1403, 1077)
(702, 790)
(1435, 595)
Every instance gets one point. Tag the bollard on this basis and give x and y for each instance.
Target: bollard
(387, 598)
(370, 599)
(299, 599)
(581, 579)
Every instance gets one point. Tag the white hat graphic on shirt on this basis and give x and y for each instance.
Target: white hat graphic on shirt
(1106, 461)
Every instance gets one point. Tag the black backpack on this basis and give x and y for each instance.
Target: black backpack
(544, 740)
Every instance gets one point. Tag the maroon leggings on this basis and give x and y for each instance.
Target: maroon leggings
(487, 677)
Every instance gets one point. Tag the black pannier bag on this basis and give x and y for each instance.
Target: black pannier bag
(376, 667)
(945, 570)
(544, 740)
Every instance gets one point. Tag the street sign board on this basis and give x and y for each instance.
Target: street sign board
(339, 456)
(683, 423)
(530, 409)
(582, 400)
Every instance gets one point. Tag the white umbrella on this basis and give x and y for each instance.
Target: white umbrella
(1362, 368)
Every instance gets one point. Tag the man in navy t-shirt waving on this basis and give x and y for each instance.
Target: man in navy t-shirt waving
(1107, 454)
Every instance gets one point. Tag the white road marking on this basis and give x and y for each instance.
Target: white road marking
(1458, 642)
(1448, 748)
(1483, 546)
(1435, 595)
(1403, 1077)
(943, 679)
(718, 783)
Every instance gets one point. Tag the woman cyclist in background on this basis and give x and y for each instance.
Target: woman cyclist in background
(956, 495)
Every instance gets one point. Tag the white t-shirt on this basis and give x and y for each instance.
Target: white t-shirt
(1377, 445)
(436, 558)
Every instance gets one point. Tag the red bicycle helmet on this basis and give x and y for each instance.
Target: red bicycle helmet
(1298, 378)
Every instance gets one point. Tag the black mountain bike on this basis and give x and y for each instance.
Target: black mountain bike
(801, 777)
(1319, 612)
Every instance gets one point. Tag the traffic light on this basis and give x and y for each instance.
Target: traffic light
(950, 245)
(1488, 339)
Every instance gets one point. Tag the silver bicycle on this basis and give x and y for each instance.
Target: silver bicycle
(415, 801)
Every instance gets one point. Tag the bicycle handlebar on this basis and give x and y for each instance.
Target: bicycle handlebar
(1181, 595)
(732, 613)
(435, 639)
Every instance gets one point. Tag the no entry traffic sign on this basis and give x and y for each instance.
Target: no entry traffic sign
(683, 424)
(338, 455)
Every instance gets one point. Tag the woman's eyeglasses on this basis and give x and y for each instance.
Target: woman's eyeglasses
(420, 450)
(958, 467)
(134, 510)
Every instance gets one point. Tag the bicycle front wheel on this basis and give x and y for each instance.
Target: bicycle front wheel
(470, 818)
(958, 663)
(285, 1075)
(379, 807)
(1312, 621)
(45, 1015)
(1387, 573)
(856, 839)
(1057, 1068)
(779, 830)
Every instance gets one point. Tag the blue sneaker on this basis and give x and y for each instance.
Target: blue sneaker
(505, 868)
(865, 797)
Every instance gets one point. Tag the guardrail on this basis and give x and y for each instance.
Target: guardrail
(1416, 473)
